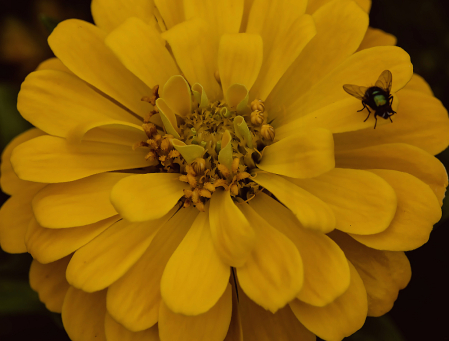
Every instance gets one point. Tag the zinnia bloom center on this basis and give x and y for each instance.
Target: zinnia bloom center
(211, 145)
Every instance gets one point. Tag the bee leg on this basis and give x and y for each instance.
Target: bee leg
(368, 115)
(375, 124)
(364, 107)
(390, 119)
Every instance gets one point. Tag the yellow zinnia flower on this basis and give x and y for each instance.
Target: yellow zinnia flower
(197, 171)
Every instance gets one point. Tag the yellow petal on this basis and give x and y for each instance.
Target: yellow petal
(326, 270)
(210, 326)
(49, 245)
(242, 131)
(134, 299)
(116, 332)
(72, 40)
(168, 118)
(195, 50)
(237, 96)
(9, 181)
(177, 95)
(417, 83)
(239, 60)
(51, 159)
(313, 5)
(53, 64)
(76, 103)
(272, 19)
(195, 277)
(384, 273)
(418, 210)
(307, 154)
(48, 280)
(222, 16)
(362, 202)
(364, 4)
(83, 315)
(105, 259)
(273, 274)
(286, 48)
(340, 27)
(189, 152)
(76, 203)
(309, 210)
(340, 318)
(107, 131)
(147, 196)
(233, 238)
(172, 11)
(376, 37)
(15, 215)
(144, 54)
(400, 157)
(200, 95)
(110, 14)
(431, 134)
(353, 71)
(259, 324)
(225, 154)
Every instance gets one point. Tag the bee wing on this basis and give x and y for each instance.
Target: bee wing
(355, 90)
(385, 80)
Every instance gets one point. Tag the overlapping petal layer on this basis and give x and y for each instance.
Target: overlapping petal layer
(418, 210)
(83, 315)
(50, 283)
(134, 299)
(383, 273)
(326, 270)
(195, 277)
(233, 239)
(309, 210)
(362, 202)
(273, 274)
(48, 245)
(147, 196)
(108, 15)
(9, 181)
(303, 155)
(76, 203)
(210, 326)
(400, 157)
(76, 103)
(338, 319)
(73, 39)
(114, 251)
(52, 159)
(13, 226)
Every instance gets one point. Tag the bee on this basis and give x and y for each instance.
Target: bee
(376, 97)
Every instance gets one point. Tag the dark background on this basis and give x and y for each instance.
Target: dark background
(422, 29)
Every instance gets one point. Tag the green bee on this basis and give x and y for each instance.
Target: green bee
(377, 97)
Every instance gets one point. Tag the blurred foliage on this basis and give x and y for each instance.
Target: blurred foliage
(422, 30)
(11, 123)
